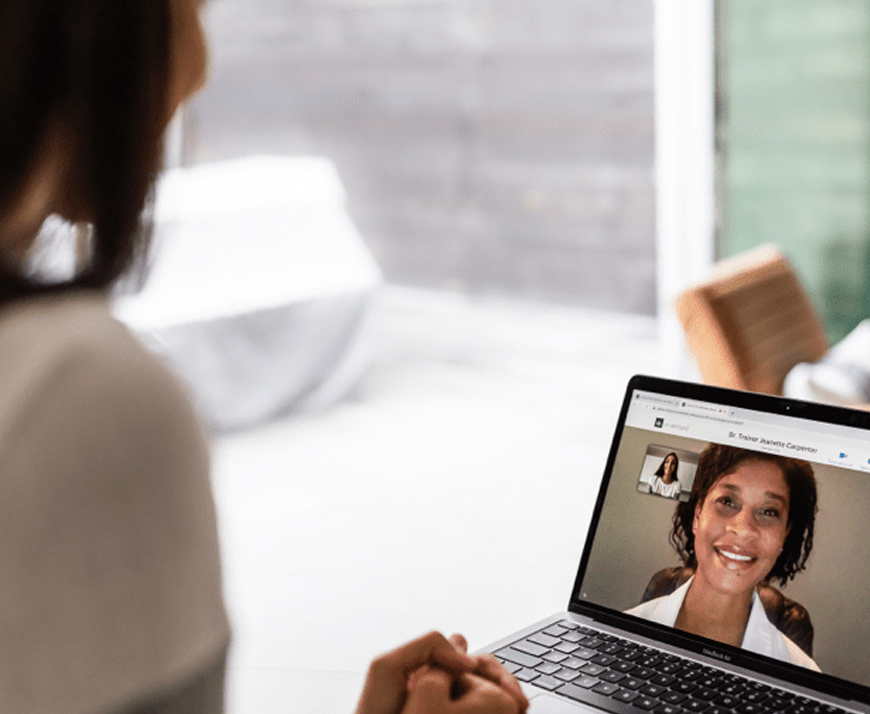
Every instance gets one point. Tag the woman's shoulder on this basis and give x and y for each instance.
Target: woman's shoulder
(798, 656)
(76, 386)
(46, 331)
(98, 440)
(70, 346)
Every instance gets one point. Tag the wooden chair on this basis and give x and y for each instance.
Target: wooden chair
(751, 322)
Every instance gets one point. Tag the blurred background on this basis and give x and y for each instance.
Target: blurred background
(793, 143)
(487, 146)
(410, 252)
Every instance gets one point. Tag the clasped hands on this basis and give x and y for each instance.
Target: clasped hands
(434, 675)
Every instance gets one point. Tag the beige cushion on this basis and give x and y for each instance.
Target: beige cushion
(751, 322)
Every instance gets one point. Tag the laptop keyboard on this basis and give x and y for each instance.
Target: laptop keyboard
(623, 676)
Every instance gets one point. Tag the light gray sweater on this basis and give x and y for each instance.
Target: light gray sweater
(110, 583)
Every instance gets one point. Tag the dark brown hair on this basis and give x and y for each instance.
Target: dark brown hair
(99, 69)
(715, 462)
(660, 471)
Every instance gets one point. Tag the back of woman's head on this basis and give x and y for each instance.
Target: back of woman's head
(85, 79)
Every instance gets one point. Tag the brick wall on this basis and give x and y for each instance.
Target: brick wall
(499, 146)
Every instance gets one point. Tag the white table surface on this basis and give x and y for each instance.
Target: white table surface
(452, 491)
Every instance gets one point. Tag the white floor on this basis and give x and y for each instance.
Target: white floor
(452, 491)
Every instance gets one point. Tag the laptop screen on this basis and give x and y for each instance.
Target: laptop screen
(741, 519)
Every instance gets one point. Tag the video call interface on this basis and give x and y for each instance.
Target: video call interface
(752, 529)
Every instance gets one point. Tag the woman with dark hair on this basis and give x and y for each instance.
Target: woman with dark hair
(666, 482)
(111, 589)
(749, 519)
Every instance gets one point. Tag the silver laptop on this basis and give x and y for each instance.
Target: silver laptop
(727, 565)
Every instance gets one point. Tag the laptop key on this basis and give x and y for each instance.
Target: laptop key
(750, 708)
(605, 688)
(555, 630)
(509, 666)
(566, 675)
(567, 647)
(674, 668)
(517, 657)
(526, 675)
(583, 653)
(547, 682)
(604, 660)
(646, 703)
(632, 683)
(593, 669)
(800, 709)
(574, 636)
(544, 640)
(586, 681)
(706, 694)
(555, 657)
(574, 663)
(674, 698)
(530, 648)
(612, 677)
(624, 667)
(652, 690)
(626, 695)
(729, 702)
(572, 691)
(547, 668)
(667, 709)
(717, 710)
(696, 706)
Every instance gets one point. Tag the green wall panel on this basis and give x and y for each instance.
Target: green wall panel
(794, 143)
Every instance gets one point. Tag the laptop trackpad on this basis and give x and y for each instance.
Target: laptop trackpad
(545, 704)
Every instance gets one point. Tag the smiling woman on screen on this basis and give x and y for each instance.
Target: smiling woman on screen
(749, 519)
(667, 482)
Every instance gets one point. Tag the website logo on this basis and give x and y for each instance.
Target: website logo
(660, 422)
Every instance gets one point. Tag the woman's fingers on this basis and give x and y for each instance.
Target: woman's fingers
(431, 693)
(432, 675)
(437, 692)
(459, 642)
(490, 668)
(388, 676)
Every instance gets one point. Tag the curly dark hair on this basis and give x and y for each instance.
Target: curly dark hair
(717, 461)
(661, 469)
